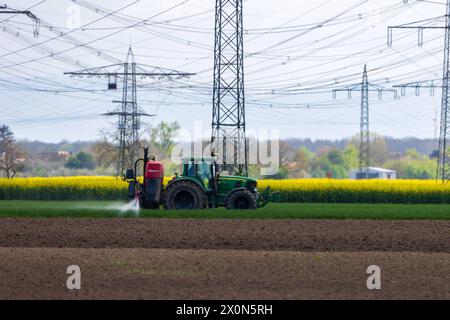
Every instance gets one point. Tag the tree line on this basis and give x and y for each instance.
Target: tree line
(299, 158)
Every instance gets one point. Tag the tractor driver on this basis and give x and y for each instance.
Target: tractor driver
(204, 173)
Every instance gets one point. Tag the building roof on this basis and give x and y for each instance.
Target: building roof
(378, 170)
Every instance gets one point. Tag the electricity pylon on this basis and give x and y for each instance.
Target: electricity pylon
(365, 87)
(228, 116)
(129, 113)
(443, 167)
(5, 10)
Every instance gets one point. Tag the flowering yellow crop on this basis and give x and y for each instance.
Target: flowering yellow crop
(62, 188)
(332, 190)
(355, 185)
(292, 190)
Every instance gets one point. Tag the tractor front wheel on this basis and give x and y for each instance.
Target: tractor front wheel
(184, 195)
(241, 200)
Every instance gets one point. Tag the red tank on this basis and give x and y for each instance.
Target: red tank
(154, 170)
(153, 186)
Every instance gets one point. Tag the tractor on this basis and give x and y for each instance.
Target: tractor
(199, 186)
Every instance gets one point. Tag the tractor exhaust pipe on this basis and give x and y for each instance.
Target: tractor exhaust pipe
(146, 159)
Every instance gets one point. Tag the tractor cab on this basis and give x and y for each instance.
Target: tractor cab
(205, 170)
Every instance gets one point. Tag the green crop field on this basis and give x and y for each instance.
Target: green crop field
(106, 209)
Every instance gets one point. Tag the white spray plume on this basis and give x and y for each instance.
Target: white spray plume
(133, 205)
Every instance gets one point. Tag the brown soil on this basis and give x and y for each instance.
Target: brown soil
(297, 235)
(221, 274)
(224, 259)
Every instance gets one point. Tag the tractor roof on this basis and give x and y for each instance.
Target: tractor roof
(199, 159)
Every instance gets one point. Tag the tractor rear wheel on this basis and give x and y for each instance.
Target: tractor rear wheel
(184, 195)
(150, 205)
(241, 200)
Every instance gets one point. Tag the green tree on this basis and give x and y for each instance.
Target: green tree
(351, 157)
(335, 156)
(409, 168)
(379, 150)
(81, 160)
(324, 167)
(163, 135)
(413, 154)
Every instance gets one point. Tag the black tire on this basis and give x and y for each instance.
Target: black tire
(150, 206)
(184, 195)
(241, 200)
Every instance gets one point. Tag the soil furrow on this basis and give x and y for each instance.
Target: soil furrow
(293, 235)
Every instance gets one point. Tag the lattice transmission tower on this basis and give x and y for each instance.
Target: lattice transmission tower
(443, 167)
(365, 87)
(129, 113)
(129, 116)
(364, 146)
(228, 117)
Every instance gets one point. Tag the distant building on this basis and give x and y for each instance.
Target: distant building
(64, 154)
(374, 173)
(53, 156)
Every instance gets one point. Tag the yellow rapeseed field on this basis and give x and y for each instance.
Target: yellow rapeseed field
(63, 188)
(292, 190)
(387, 191)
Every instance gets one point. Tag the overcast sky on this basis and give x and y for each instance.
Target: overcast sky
(297, 52)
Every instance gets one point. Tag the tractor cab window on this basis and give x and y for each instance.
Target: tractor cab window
(200, 169)
(204, 170)
(204, 174)
(190, 169)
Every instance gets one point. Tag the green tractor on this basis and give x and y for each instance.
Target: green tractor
(198, 186)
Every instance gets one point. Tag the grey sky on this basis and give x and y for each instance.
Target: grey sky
(285, 51)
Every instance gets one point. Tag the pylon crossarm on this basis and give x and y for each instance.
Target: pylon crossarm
(435, 83)
(36, 21)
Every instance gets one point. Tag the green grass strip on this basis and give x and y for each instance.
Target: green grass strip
(106, 209)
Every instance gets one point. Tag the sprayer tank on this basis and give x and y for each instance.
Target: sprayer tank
(154, 170)
(154, 176)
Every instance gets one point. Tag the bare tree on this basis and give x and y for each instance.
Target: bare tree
(11, 155)
(105, 150)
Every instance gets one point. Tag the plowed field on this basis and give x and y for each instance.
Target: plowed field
(242, 259)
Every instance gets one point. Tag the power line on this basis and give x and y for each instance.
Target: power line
(97, 39)
(443, 168)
